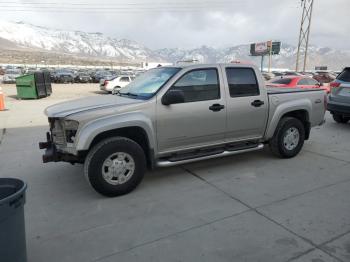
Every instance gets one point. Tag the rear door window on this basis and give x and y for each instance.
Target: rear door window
(281, 81)
(242, 82)
(312, 82)
(303, 82)
(124, 79)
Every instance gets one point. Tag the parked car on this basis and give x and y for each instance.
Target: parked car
(277, 73)
(296, 81)
(62, 76)
(324, 77)
(291, 73)
(2, 71)
(115, 84)
(96, 78)
(176, 115)
(309, 74)
(268, 76)
(339, 99)
(82, 77)
(10, 76)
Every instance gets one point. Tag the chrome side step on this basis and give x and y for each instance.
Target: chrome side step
(166, 163)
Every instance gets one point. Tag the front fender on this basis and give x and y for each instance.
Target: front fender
(282, 109)
(89, 131)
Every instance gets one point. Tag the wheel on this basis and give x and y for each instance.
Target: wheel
(115, 166)
(340, 119)
(288, 138)
(115, 90)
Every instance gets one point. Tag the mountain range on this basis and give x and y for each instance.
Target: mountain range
(26, 37)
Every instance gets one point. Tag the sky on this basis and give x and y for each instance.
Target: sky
(189, 23)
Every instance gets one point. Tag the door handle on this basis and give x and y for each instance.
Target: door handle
(257, 103)
(216, 107)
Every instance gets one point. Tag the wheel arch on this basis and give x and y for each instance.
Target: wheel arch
(135, 133)
(301, 114)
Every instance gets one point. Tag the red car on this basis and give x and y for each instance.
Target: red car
(296, 81)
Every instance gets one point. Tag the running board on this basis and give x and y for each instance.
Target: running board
(166, 163)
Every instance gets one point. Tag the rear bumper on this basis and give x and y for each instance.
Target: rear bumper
(338, 108)
(52, 155)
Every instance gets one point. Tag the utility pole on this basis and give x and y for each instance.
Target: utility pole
(304, 32)
(269, 45)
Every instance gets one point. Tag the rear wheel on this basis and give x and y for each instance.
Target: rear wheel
(340, 119)
(115, 166)
(289, 138)
(115, 89)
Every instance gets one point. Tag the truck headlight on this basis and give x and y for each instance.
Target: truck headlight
(70, 127)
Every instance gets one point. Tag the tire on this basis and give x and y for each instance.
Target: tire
(115, 90)
(340, 119)
(95, 163)
(281, 145)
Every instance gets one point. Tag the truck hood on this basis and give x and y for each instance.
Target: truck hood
(90, 103)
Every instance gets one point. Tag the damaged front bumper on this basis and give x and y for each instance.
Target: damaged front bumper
(53, 155)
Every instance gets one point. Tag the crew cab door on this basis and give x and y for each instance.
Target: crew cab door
(200, 120)
(247, 104)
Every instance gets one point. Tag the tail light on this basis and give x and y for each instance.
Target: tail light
(105, 82)
(334, 84)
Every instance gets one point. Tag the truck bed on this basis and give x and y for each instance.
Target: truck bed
(281, 100)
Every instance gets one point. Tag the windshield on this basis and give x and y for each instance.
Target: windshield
(147, 84)
(283, 81)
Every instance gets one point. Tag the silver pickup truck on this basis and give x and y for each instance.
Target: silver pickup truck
(176, 115)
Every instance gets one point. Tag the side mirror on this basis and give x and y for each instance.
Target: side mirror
(320, 84)
(173, 97)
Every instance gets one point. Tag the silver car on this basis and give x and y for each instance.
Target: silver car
(339, 99)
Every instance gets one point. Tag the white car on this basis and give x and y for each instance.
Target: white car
(115, 84)
(10, 76)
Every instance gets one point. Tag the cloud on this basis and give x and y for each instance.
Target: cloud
(214, 23)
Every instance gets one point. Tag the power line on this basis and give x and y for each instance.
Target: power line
(122, 4)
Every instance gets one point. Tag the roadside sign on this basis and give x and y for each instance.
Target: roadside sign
(263, 48)
(321, 68)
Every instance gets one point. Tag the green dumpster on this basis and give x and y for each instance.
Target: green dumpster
(36, 85)
(26, 87)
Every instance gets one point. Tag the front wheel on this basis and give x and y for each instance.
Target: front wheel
(289, 138)
(115, 166)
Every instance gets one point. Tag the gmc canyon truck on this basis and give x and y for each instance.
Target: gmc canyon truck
(176, 115)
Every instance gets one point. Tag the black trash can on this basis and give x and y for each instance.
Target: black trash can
(12, 228)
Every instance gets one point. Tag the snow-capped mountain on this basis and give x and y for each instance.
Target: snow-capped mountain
(97, 45)
(72, 42)
(318, 56)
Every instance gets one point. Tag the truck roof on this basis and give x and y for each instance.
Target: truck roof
(213, 65)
